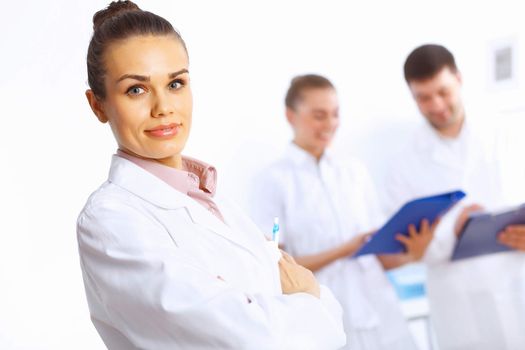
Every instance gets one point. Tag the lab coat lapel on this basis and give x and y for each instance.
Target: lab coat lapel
(429, 144)
(147, 186)
(202, 217)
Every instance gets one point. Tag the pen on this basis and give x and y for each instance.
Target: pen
(275, 230)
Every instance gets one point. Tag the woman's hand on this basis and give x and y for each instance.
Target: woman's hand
(296, 278)
(354, 244)
(513, 236)
(416, 243)
(463, 217)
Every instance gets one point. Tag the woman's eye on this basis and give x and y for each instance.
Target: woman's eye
(135, 90)
(176, 84)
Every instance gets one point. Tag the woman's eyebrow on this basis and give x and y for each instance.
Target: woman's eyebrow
(133, 76)
(145, 78)
(182, 71)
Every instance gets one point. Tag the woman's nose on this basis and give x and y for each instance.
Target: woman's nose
(162, 106)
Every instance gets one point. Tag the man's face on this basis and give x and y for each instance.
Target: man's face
(439, 98)
(315, 119)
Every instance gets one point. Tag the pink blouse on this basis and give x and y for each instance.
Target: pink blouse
(198, 179)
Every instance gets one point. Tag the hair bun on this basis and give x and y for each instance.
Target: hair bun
(113, 9)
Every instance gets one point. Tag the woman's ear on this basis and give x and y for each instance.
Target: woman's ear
(96, 106)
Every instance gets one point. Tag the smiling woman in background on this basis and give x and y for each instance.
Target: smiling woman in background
(327, 207)
(165, 264)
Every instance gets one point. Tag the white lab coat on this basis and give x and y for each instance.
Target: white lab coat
(476, 303)
(320, 206)
(161, 272)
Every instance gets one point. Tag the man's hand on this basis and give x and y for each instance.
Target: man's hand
(416, 243)
(463, 217)
(513, 236)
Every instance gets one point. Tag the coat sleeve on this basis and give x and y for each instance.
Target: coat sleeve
(159, 297)
(442, 246)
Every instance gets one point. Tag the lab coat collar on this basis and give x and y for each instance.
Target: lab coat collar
(301, 157)
(430, 134)
(429, 142)
(147, 186)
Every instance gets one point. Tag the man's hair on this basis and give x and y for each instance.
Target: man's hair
(428, 60)
(302, 83)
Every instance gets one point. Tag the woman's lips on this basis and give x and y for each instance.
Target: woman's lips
(168, 130)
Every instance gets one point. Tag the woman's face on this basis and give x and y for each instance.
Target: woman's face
(315, 119)
(148, 101)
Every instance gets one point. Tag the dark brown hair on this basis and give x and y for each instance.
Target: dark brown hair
(426, 61)
(304, 82)
(120, 20)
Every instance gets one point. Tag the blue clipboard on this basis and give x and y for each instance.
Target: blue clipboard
(479, 235)
(413, 212)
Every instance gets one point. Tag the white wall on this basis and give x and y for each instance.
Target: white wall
(243, 54)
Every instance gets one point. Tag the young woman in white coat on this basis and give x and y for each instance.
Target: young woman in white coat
(325, 206)
(166, 265)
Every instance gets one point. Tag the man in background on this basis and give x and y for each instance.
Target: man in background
(476, 303)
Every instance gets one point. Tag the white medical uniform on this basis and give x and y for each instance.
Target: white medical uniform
(477, 303)
(162, 272)
(320, 205)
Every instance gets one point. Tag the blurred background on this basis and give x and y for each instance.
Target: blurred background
(54, 153)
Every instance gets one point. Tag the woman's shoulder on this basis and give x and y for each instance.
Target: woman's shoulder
(114, 217)
(275, 172)
(352, 166)
(107, 193)
(110, 202)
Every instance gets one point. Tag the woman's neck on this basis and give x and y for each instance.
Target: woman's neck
(174, 161)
